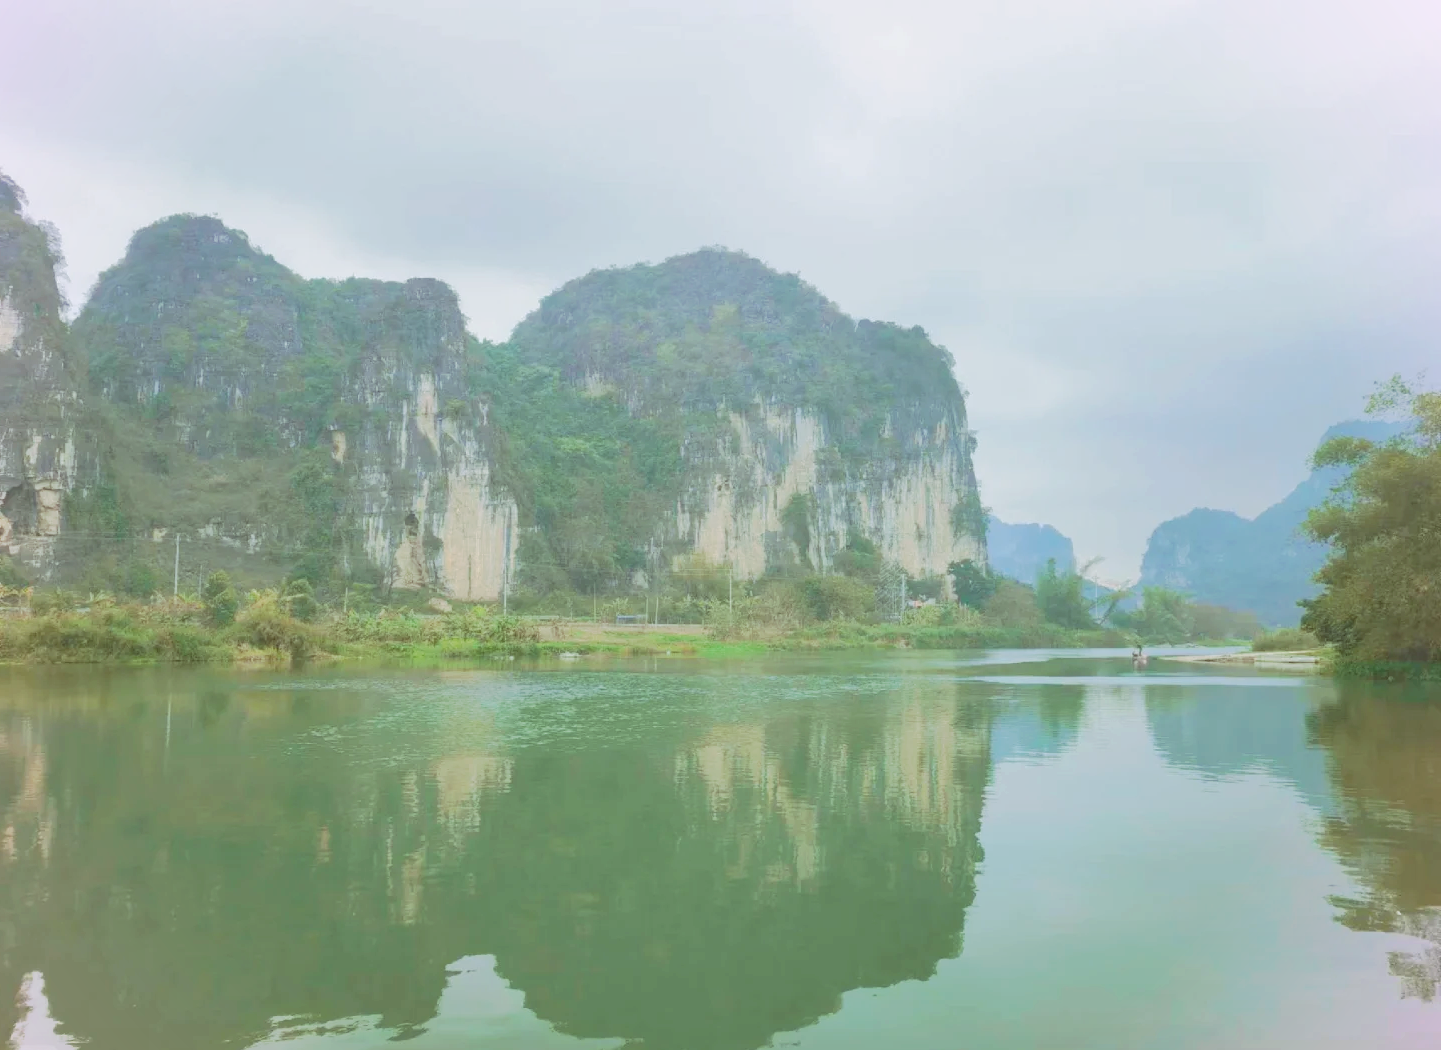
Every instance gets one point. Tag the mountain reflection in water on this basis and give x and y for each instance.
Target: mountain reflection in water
(700, 858)
(1369, 761)
(319, 854)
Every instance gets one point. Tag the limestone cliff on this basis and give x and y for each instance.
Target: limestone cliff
(796, 428)
(776, 457)
(38, 397)
(353, 432)
(327, 422)
(425, 498)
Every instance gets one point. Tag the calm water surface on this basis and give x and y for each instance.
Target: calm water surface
(928, 850)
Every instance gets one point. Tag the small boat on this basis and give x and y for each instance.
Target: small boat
(1139, 659)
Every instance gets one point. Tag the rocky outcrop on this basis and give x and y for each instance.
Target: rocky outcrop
(348, 403)
(705, 409)
(796, 428)
(426, 500)
(39, 402)
(905, 503)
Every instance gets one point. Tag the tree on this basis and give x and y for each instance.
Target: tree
(1013, 605)
(220, 599)
(299, 599)
(1165, 616)
(1216, 622)
(974, 585)
(796, 524)
(1381, 585)
(837, 598)
(858, 558)
(1061, 598)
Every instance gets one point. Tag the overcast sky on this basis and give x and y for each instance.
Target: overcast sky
(1167, 242)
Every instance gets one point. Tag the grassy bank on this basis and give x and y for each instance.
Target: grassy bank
(1386, 670)
(265, 632)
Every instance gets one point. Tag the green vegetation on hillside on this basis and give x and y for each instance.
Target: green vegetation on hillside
(216, 380)
(591, 479)
(719, 328)
(217, 373)
(35, 380)
(1381, 600)
(613, 398)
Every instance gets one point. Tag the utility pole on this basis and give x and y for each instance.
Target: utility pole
(175, 591)
(731, 589)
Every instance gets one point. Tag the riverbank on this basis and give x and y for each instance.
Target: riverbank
(1310, 661)
(178, 631)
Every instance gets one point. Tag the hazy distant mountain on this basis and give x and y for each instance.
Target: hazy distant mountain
(1262, 564)
(1021, 551)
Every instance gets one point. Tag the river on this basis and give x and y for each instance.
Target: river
(923, 850)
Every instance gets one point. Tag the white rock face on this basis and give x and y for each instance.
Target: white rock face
(10, 325)
(37, 433)
(903, 505)
(429, 510)
(477, 535)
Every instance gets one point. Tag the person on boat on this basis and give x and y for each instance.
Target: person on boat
(1138, 656)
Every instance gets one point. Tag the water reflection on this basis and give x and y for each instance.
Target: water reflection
(1046, 722)
(1368, 759)
(194, 861)
(1234, 728)
(1384, 746)
(681, 860)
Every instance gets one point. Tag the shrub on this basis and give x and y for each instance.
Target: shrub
(1061, 597)
(299, 599)
(185, 644)
(974, 585)
(10, 574)
(43, 603)
(15, 597)
(220, 599)
(1287, 639)
(940, 615)
(480, 625)
(264, 624)
(1013, 605)
(12, 638)
(837, 598)
(774, 610)
(65, 637)
(859, 558)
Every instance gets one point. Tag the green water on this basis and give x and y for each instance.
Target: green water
(928, 850)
